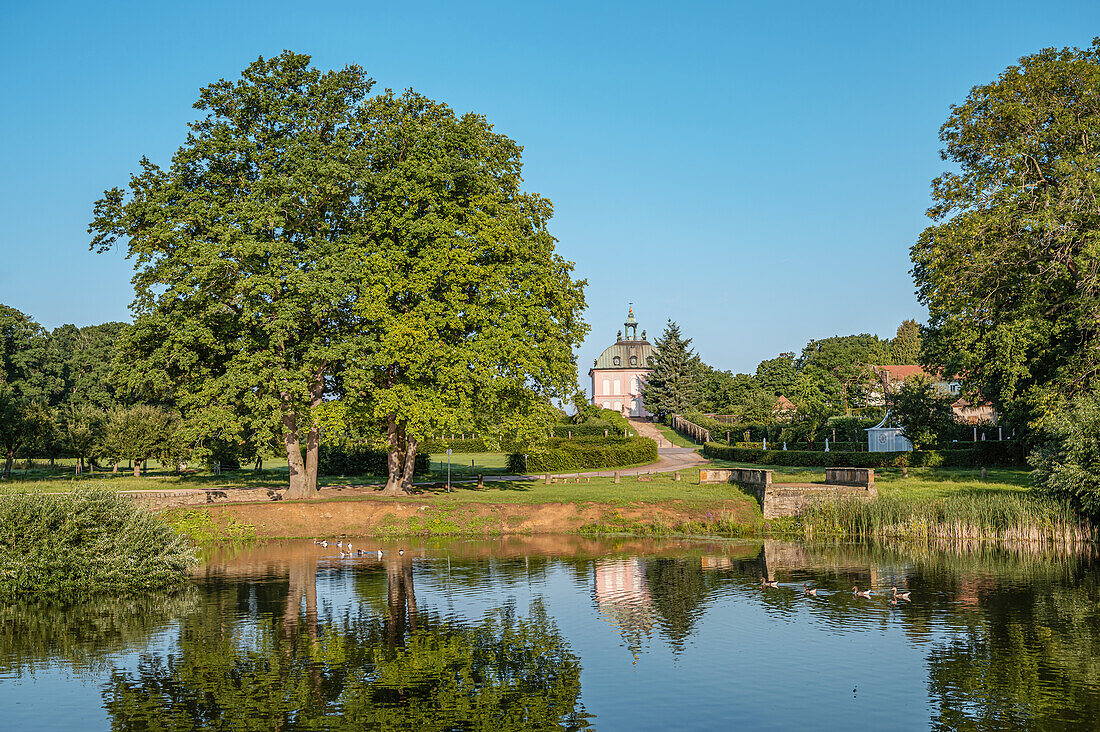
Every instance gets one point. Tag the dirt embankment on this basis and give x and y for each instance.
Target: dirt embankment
(292, 519)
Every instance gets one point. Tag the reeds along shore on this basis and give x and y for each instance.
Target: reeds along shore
(1008, 518)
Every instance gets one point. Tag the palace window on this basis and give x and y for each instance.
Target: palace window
(606, 386)
(618, 387)
(633, 360)
(649, 360)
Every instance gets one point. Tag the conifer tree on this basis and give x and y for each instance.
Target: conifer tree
(905, 348)
(671, 387)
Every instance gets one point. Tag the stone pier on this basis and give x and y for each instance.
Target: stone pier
(789, 499)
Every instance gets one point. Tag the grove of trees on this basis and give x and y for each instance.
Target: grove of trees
(310, 242)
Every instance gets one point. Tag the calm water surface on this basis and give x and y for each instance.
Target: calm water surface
(565, 632)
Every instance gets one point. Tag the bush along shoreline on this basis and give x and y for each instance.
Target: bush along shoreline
(91, 541)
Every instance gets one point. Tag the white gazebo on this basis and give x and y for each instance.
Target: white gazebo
(887, 439)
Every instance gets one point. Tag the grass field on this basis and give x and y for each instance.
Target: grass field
(43, 479)
(673, 436)
(921, 482)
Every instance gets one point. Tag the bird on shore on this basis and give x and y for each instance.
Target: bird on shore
(809, 592)
(765, 582)
(401, 552)
(379, 553)
(324, 542)
(900, 595)
(860, 593)
(358, 552)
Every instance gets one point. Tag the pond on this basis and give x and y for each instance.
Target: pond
(573, 633)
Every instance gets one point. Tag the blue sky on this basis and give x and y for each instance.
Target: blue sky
(756, 173)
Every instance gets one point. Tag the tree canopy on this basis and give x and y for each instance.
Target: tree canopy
(672, 386)
(309, 241)
(1010, 270)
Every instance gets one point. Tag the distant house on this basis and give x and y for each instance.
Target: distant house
(784, 409)
(892, 377)
(619, 374)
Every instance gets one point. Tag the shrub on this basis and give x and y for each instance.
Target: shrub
(584, 454)
(1067, 461)
(89, 541)
(356, 460)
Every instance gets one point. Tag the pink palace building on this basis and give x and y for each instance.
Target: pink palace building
(621, 370)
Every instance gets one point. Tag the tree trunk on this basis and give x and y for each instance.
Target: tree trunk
(259, 464)
(7, 463)
(115, 468)
(401, 461)
(299, 487)
(137, 468)
(313, 438)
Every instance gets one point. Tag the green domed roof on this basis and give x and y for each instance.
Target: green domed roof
(641, 351)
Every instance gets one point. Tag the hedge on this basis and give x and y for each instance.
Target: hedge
(353, 460)
(959, 458)
(584, 454)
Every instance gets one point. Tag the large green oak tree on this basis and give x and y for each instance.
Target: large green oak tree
(310, 242)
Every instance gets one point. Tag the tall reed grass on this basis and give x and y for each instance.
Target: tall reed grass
(89, 541)
(1007, 517)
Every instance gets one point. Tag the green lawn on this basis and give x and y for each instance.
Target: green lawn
(673, 436)
(657, 488)
(920, 483)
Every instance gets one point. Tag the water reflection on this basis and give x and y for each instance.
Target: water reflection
(494, 634)
(295, 665)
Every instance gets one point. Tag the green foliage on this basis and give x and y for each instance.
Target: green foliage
(1008, 517)
(1067, 461)
(23, 424)
(471, 316)
(80, 428)
(141, 432)
(777, 375)
(672, 386)
(506, 672)
(840, 369)
(591, 453)
(86, 359)
(1010, 270)
(84, 542)
(27, 365)
(923, 413)
(905, 348)
(201, 528)
(359, 460)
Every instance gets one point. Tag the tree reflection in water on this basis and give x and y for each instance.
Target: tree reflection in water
(289, 667)
(87, 635)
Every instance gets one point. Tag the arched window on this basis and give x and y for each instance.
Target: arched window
(618, 406)
(649, 360)
(617, 361)
(607, 405)
(606, 386)
(634, 385)
(633, 360)
(618, 388)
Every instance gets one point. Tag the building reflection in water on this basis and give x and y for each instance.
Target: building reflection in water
(623, 600)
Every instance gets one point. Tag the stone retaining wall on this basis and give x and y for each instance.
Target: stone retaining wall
(790, 499)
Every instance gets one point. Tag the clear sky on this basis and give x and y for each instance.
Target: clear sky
(755, 171)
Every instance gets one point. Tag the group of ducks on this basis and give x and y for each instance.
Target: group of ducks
(346, 549)
(856, 592)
